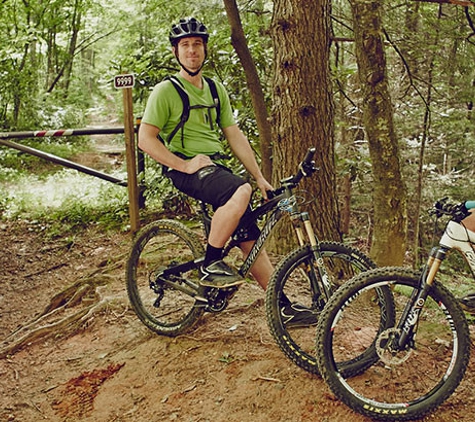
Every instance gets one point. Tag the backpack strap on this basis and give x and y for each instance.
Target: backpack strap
(186, 107)
(214, 93)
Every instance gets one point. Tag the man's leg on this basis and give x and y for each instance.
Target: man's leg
(292, 314)
(262, 268)
(226, 218)
(469, 222)
(468, 301)
(214, 272)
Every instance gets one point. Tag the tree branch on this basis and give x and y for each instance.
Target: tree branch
(470, 24)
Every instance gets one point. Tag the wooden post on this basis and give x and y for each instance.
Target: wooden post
(140, 165)
(126, 82)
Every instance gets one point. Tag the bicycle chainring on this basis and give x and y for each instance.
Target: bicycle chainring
(218, 299)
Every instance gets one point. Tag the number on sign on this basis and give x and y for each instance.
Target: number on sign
(124, 81)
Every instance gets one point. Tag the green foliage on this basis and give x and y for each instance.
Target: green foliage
(66, 201)
(428, 45)
(147, 52)
(14, 163)
(429, 52)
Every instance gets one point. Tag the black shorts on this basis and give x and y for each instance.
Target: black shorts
(214, 185)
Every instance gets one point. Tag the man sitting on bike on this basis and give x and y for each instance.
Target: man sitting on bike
(191, 158)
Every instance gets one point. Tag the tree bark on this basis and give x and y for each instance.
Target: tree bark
(389, 196)
(303, 110)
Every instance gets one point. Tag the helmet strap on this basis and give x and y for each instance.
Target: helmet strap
(188, 70)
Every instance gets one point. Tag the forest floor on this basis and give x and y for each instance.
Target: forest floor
(93, 360)
(75, 351)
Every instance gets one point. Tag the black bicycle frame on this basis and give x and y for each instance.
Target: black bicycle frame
(284, 203)
(257, 247)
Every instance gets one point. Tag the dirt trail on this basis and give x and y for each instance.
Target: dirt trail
(111, 368)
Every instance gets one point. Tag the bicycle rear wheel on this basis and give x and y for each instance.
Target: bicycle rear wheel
(292, 278)
(161, 307)
(399, 385)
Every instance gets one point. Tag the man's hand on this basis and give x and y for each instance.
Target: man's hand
(264, 186)
(197, 163)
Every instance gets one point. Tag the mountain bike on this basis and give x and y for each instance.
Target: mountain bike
(419, 360)
(163, 280)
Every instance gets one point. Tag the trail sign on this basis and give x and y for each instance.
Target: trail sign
(124, 81)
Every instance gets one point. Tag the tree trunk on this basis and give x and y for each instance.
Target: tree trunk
(238, 40)
(303, 111)
(389, 197)
(65, 71)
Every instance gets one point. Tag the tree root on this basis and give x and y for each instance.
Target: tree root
(60, 317)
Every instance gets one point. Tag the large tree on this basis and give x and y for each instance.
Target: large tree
(389, 196)
(302, 114)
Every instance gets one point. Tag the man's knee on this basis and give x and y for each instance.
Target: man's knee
(243, 193)
(240, 199)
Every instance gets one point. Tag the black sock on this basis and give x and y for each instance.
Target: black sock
(212, 254)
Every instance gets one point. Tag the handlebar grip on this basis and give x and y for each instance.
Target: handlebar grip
(310, 153)
(470, 205)
(306, 168)
(271, 194)
(457, 211)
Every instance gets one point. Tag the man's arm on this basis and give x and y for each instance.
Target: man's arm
(243, 151)
(149, 143)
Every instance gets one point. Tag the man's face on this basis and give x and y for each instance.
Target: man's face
(191, 52)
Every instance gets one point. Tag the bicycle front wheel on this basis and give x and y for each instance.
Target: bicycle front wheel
(164, 309)
(401, 384)
(295, 277)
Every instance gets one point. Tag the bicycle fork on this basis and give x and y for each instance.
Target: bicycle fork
(320, 283)
(410, 316)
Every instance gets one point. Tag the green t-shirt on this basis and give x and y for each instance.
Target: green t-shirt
(200, 134)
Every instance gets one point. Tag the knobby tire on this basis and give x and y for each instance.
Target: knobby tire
(159, 245)
(398, 386)
(342, 262)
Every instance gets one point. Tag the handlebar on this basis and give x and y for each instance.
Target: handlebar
(306, 169)
(457, 211)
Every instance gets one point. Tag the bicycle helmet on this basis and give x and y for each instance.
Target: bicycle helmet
(188, 27)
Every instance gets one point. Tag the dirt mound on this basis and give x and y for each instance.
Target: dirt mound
(92, 360)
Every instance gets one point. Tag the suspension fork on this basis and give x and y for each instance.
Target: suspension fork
(320, 283)
(410, 316)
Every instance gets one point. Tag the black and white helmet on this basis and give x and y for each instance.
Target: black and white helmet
(188, 27)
